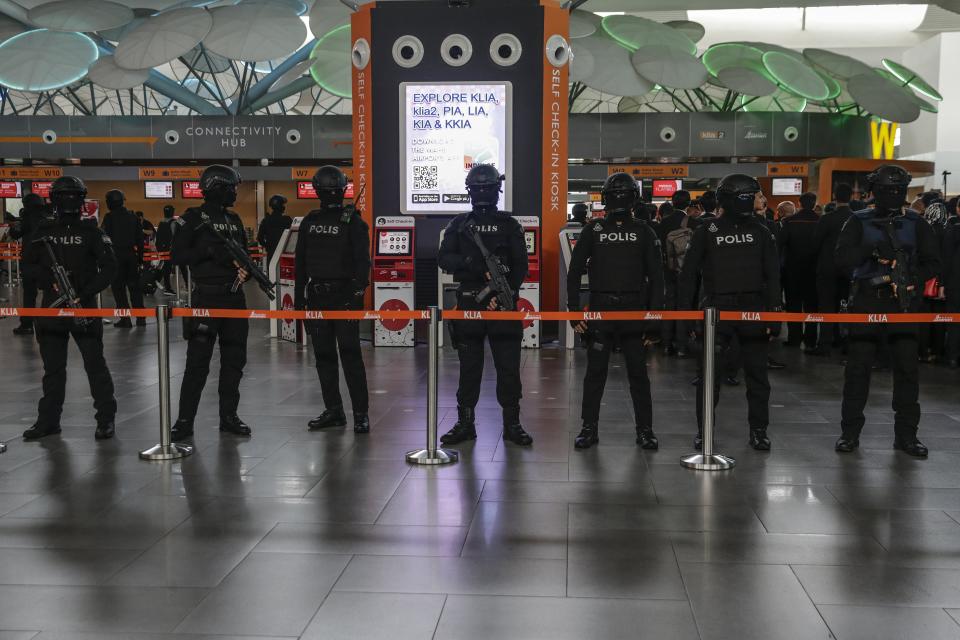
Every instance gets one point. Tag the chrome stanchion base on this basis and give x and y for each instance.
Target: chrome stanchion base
(715, 462)
(173, 452)
(441, 456)
(3, 448)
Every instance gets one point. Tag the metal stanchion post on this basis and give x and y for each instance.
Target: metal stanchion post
(433, 455)
(3, 447)
(189, 288)
(708, 460)
(166, 450)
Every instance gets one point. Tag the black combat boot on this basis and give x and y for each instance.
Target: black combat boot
(846, 444)
(38, 431)
(759, 440)
(646, 438)
(24, 330)
(589, 436)
(141, 322)
(513, 430)
(332, 417)
(105, 430)
(233, 424)
(123, 323)
(361, 423)
(912, 447)
(464, 430)
(182, 430)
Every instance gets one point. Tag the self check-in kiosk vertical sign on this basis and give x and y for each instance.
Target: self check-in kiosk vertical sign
(446, 130)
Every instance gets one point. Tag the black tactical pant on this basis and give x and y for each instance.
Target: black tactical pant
(600, 342)
(53, 336)
(29, 295)
(754, 344)
(331, 336)
(864, 342)
(202, 335)
(673, 332)
(953, 331)
(128, 279)
(830, 292)
(800, 294)
(505, 338)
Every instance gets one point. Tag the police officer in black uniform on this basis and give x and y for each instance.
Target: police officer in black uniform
(31, 219)
(164, 243)
(126, 231)
(460, 256)
(578, 216)
(736, 257)
(865, 250)
(87, 255)
(623, 257)
(273, 225)
(214, 275)
(332, 273)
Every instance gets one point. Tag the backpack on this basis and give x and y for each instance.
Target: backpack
(678, 241)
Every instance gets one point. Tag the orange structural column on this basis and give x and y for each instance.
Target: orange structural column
(361, 29)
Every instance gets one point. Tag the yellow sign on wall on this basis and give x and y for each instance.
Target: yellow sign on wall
(883, 137)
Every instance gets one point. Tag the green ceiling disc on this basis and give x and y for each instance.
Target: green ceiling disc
(882, 94)
(634, 32)
(833, 86)
(332, 69)
(583, 24)
(782, 101)
(795, 75)
(747, 81)
(726, 55)
(671, 68)
(693, 30)
(910, 77)
(835, 64)
(612, 73)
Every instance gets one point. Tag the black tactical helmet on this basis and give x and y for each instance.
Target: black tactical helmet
(168, 211)
(277, 202)
(330, 184)
(889, 184)
(219, 184)
(736, 194)
(32, 201)
(115, 199)
(620, 193)
(67, 195)
(483, 184)
(580, 212)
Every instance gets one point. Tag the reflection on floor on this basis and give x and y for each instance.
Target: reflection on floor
(331, 535)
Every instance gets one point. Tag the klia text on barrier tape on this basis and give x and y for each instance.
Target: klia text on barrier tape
(841, 318)
(164, 256)
(24, 312)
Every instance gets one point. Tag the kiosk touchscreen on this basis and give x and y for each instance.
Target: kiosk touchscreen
(568, 240)
(282, 271)
(393, 278)
(530, 289)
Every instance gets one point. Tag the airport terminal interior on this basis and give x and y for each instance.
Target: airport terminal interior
(350, 267)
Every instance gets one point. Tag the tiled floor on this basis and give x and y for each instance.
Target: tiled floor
(299, 535)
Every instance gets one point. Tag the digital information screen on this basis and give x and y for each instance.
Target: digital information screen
(157, 190)
(787, 186)
(10, 190)
(42, 189)
(666, 188)
(305, 191)
(446, 129)
(530, 239)
(393, 243)
(190, 190)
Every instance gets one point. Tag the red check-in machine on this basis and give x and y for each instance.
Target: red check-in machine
(283, 272)
(530, 289)
(393, 278)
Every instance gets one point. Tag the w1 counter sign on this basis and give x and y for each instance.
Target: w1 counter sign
(446, 130)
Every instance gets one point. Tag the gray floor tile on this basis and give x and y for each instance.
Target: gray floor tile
(268, 593)
(749, 601)
(777, 548)
(524, 530)
(477, 576)
(664, 518)
(471, 617)
(363, 539)
(61, 566)
(70, 635)
(881, 585)
(433, 502)
(17, 635)
(346, 616)
(891, 623)
(650, 577)
(640, 492)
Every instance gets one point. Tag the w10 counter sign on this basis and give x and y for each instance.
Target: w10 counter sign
(448, 129)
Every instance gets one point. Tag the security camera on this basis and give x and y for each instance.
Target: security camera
(408, 51)
(667, 134)
(360, 56)
(172, 137)
(49, 136)
(791, 134)
(293, 136)
(456, 50)
(264, 162)
(505, 49)
(558, 50)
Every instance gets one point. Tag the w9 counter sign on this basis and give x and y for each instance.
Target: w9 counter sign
(446, 130)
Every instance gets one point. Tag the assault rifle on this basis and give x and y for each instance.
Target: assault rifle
(68, 294)
(901, 276)
(241, 257)
(498, 285)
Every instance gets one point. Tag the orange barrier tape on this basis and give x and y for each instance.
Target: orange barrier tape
(259, 314)
(572, 315)
(75, 313)
(164, 256)
(841, 318)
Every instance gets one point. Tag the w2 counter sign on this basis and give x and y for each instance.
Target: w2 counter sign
(446, 130)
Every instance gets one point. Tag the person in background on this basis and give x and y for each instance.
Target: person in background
(647, 211)
(918, 205)
(950, 279)
(708, 206)
(931, 337)
(126, 232)
(273, 225)
(952, 206)
(785, 210)
(578, 216)
(832, 285)
(164, 242)
(675, 230)
(32, 215)
(798, 249)
(148, 229)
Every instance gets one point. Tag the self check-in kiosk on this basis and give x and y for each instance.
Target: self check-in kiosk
(393, 278)
(568, 240)
(283, 272)
(530, 289)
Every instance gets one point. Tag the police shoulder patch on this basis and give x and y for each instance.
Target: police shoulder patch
(180, 221)
(106, 239)
(712, 228)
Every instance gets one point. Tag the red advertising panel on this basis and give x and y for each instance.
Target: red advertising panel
(9, 189)
(305, 191)
(91, 210)
(191, 190)
(348, 194)
(42, 189)
(666, 188)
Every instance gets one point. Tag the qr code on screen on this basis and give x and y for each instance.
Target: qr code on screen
(425, 177)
